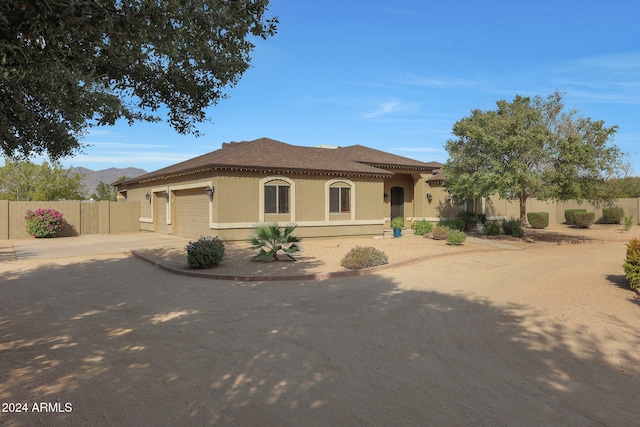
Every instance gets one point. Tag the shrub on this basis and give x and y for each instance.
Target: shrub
(422, 227)
(44, 222)
(363, 257)
(628, 222)
(568, 215)
(271, 239)
(206, 252)
(397, 223)
(613, 215)
(538, 219)
(513, 227)
(468, 219)
(452, 223)
(492, 228)
(439, 233)
(632, 263)
(583, 219)
(456, 237)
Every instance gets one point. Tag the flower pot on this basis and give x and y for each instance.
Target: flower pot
(397, 232)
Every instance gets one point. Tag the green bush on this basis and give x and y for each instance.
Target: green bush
(206, 252)
(271, 239)
(613, 215)
(469, 219)
(422, 227)
(513, 227)
(628, 222)
(452, 223)
(397, 223)
(538, 219)
(492, 228)
(632, 263)
(44, 222)
(456, 237)
(439, 233)
(363, 257)
(568, 215)
(583, 219)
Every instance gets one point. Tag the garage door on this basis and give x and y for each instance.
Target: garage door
(192, 213)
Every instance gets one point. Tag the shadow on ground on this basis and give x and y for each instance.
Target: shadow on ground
(128, 344)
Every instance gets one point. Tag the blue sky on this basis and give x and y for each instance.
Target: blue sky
(396, 76)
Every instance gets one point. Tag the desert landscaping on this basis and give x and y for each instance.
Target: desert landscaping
(495, 332)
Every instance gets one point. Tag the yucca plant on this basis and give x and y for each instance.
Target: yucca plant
(271, 239)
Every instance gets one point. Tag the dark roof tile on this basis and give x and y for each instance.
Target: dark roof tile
(270, 155)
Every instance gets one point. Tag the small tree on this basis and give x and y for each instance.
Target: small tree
(24, 180)
(531, 147)
(105, 191)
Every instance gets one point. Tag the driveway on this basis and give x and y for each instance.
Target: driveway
(547, 335)
(92, 245)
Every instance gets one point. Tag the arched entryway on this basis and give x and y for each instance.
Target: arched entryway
(397, 202)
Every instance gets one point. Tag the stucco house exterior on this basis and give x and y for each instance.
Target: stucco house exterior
(326, 191)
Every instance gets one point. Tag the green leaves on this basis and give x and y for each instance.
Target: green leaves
(23, 180)
(68, 65)
(530, 147)
(271, 239)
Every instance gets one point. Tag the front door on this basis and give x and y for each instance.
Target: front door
(397, 202)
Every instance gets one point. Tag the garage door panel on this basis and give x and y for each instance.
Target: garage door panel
(192, 212)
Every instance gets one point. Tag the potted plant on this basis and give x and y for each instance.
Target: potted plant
(397, 224)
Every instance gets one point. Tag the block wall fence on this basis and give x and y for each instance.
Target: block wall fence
(80, 217)
(500, 208)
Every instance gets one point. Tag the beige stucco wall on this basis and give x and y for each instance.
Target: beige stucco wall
(236, 203)
(4, 219)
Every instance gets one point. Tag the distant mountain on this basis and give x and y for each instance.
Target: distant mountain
(92, 178)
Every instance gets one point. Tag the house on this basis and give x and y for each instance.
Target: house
(326, 191)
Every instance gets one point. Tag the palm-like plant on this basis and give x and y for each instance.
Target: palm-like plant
(271, 239)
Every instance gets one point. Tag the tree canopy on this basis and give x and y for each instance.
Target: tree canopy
(67, 65)
(105, 191)
(24, 180)
(531, 147)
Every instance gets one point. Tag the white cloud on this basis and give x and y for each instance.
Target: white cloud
(419, 149)
(433, 82)
(386, 108)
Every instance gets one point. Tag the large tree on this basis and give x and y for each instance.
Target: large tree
(24, 180)
(67, 65)
(531, 147)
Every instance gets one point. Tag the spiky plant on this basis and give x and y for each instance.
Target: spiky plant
(271, 239)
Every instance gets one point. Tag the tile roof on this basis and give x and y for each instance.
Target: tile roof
(266, 154)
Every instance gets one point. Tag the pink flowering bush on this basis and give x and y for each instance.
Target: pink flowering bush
(44, 222)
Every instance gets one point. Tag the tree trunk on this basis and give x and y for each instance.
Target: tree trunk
(523, 212)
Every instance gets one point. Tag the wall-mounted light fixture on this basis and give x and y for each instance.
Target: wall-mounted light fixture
(386, 196)
(165, 194)
(429, 197)
(148, 196)
(487, 199)
(210, 190)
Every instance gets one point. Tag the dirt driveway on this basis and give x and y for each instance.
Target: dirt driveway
(545, 335)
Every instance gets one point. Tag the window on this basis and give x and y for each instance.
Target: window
(339, 199)
(276, 199)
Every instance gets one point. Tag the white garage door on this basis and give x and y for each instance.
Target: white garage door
(192, 213)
